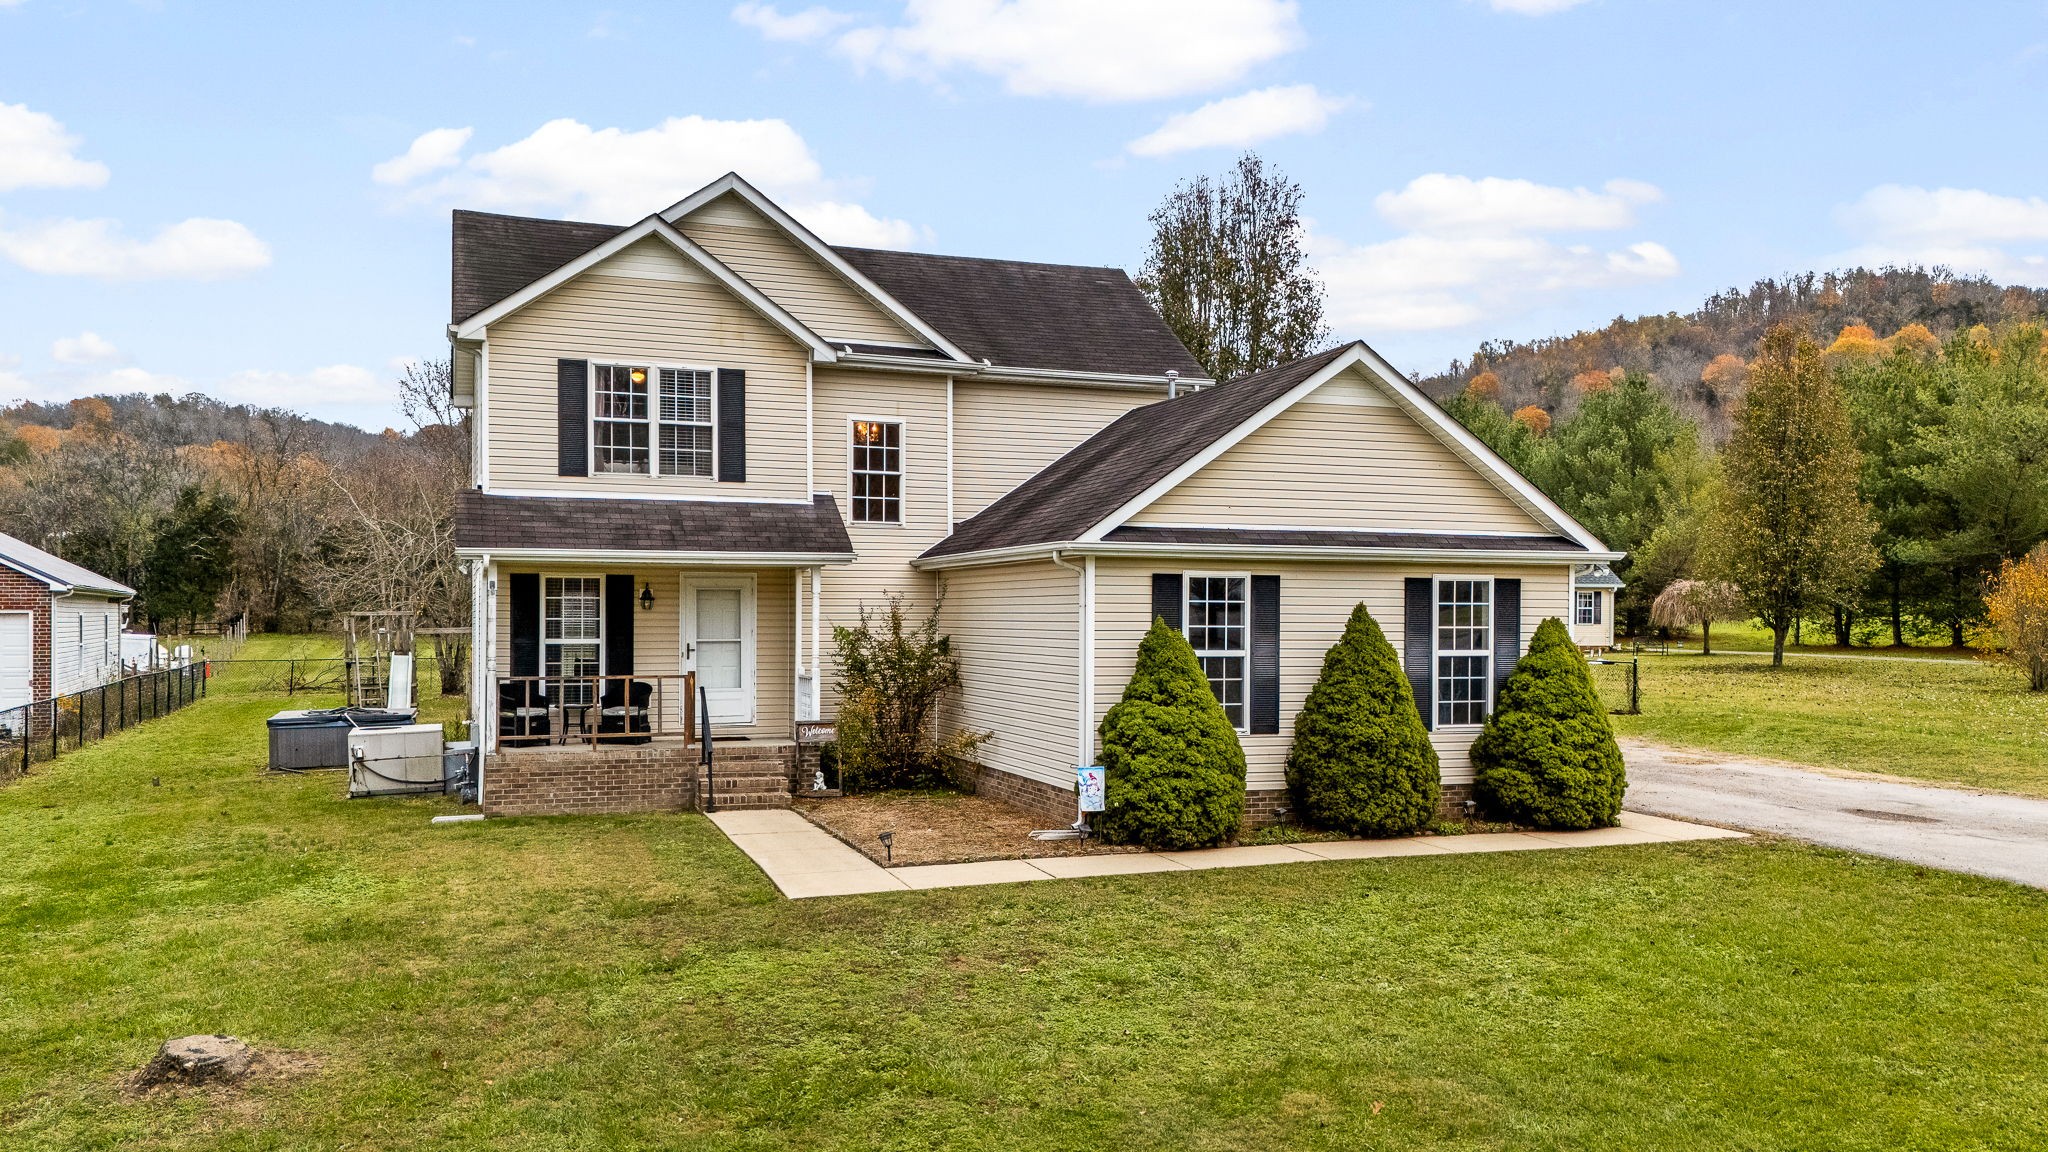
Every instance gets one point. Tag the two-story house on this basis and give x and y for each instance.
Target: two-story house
(704, 439)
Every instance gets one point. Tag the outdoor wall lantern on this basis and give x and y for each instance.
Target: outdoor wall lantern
(646, 596)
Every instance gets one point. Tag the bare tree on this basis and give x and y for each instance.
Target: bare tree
(1228, 270)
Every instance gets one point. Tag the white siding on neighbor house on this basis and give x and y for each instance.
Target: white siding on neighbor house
(600, 317)
(1343, 457)
(765, 256)
(1003, 434)
(657, 636)
(1316, 600)
(1016, 629)
(85, 642)
(1599, 635)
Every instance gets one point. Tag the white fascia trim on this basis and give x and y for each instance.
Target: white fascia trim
(1317, 528)
(1255, 553)
(622, 556)
(474, 327)
(924, 364)
(1000, 374)
(733, 182)
(666, 497)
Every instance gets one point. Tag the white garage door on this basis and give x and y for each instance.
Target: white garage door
(16, 664)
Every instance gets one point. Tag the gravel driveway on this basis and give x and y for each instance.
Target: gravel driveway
(1987, 833)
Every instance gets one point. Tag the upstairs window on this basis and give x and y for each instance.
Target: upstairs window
(1217, 630)
(1589, 608)
(685, 422)
(647, 420)
(619, 419)
(876, 472)
(1464, 651)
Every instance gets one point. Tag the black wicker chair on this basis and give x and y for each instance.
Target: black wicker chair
(622, 712)
(523, 716)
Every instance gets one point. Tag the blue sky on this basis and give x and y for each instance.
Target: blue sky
(252, 201)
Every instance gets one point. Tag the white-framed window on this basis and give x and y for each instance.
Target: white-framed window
(572, 633)
(875, 471)
(1464, 650)
(650, 419)
(1588, 608)
(1217, 623)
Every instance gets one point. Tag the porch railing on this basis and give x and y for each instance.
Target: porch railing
(593, 710)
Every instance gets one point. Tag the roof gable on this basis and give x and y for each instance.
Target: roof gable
(59, 574)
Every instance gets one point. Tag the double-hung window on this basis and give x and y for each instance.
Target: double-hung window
(1589, 607)
(571, 633)
(1464, 651)
(875, 472)
(651, 421)
(1217, 629)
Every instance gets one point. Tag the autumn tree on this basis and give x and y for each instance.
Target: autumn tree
(1533, 418)
(1228, 270)
(2017, 605)
(1792, 531)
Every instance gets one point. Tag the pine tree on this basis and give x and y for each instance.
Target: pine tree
(1175, 768)
(1547, 756)
(1361, 762)
(1791, 530)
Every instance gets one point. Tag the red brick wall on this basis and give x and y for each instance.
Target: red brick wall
(576, 779)
(19, 593)
(1262, 806)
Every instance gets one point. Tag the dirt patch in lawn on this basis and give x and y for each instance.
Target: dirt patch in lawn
(940, 828)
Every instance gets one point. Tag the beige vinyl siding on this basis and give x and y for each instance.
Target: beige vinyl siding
(1345, 457)
(1315, 601)
(1016, 628)
(626, 319)
(765, 256)
(1005, 433)
(657, 636)
(883, 551)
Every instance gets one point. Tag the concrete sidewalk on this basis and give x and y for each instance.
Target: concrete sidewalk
(804, 860)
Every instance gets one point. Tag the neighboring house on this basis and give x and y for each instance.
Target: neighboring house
(60, 625)
(703, 440)
(1594, 587)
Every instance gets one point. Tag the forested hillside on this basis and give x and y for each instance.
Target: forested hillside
(1694, 360)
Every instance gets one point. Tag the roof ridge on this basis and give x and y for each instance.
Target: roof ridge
(842, 248)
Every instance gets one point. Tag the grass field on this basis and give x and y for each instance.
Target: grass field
(634, 982)
(1963, 721)
(1749, 636)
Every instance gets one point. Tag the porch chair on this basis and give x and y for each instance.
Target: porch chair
(523, 713)
(623, 709)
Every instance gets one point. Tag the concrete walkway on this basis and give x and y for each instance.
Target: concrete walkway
(1986, 833)
(804, 860)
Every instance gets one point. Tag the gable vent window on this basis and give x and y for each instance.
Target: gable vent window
(1464, 650)
(1216, 629)
(876, 472)
(619, 419)
(685, 422)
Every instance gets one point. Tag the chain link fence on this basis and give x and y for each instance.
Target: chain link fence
(1619, 680)
(33, 733)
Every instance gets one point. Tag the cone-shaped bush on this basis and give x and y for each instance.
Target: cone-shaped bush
(1176, 770)
(1361, 762)
(1547, 756)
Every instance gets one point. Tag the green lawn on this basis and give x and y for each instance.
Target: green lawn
(1963, 721)
(634, 982)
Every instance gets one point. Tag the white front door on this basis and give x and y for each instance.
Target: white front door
(718, 644)
(17, 659)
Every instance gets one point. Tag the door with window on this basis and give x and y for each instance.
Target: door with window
(718, 644)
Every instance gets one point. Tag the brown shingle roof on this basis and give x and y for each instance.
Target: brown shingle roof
(490, 521)
(495, 256)
(1114, 466)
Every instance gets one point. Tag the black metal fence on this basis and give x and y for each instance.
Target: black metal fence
(47, 729)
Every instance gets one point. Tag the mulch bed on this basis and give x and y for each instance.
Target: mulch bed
(940, 828)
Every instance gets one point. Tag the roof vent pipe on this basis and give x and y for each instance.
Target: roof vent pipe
(1172, 383)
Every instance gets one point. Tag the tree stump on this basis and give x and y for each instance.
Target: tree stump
(197, 1060)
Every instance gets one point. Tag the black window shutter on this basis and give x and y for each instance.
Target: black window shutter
(1417, 649)
(1265, 697)
(732, 424)
(525, 592)
(1166, 590)
(618, 625)
(1507, 631)
(572, 417)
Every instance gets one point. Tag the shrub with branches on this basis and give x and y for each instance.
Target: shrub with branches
(893, 679)
(2017, 605)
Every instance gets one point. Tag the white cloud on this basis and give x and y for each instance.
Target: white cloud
(430, 152)
(1967, 229)
(36, 152)
(1103, 50)
(1481, 250)
(338, 391)
(1238, 121)
(810, 24)
(84, 348)
(611, 174)
(196, 249)
(1534, 7)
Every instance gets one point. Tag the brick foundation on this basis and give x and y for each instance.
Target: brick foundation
(575, 779)
(1452, 804)
(1263, 807)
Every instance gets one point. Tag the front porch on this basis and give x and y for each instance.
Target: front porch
(662, 774)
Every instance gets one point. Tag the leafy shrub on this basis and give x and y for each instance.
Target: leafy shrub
(1361, 762)
(892, 678)
(1547, 756)
(1175, 768)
